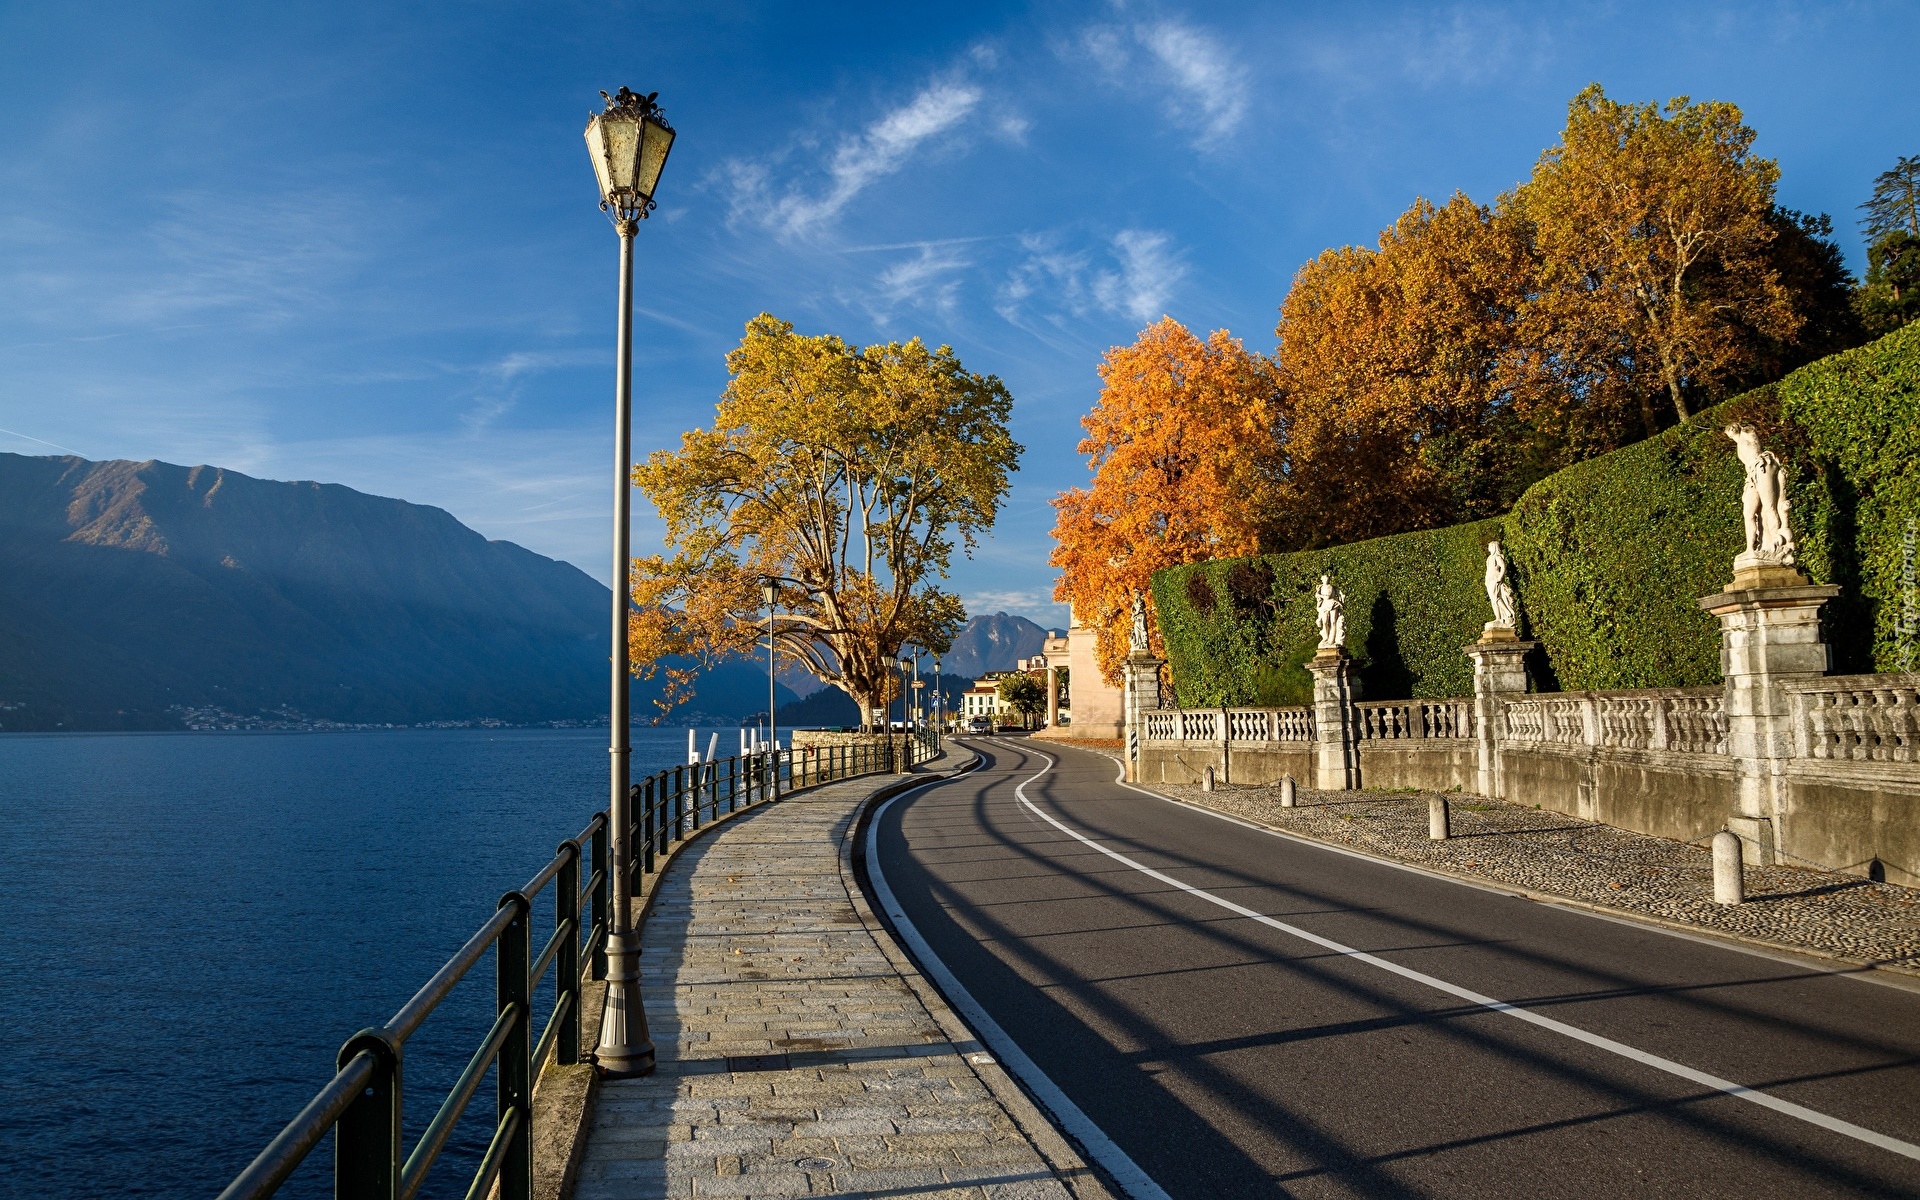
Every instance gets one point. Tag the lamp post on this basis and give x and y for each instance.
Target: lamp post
(770, 592)
(939, 699)
(629, 144)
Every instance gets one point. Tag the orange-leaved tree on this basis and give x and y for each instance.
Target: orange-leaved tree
(1394, 406)
(1656, 282)
(1183, 460)
(847, 476)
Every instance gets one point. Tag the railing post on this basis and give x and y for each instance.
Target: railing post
(699, 789)
(649, 823)
(602, 890)
(366, 1141)
(514, 1070)
(679, 801)
(566, 984)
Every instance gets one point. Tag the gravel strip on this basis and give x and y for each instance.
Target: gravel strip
(1631, 873)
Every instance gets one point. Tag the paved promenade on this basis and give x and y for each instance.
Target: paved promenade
(800, 1052)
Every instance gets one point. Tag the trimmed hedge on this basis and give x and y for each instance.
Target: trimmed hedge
(1609, 557)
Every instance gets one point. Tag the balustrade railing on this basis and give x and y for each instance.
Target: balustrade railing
(1684, 719)
(1240, 725)
(363, 1102)
(1387, 720)
(1859, 718)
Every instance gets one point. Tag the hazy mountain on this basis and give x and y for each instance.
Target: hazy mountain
(130, 589)
(993, 643)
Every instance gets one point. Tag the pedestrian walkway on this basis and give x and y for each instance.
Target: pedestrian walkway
(800, 1054)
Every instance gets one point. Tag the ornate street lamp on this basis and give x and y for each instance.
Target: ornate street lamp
(629, 144)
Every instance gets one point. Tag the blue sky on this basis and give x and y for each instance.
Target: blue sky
(358, 243)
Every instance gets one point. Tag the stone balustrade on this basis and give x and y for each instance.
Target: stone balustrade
(1823, 770)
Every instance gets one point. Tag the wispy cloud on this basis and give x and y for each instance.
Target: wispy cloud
(858, 161)
(1036, 605)
(1143, 269)
(928, 280)
(1207, 87)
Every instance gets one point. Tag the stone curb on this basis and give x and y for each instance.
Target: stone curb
(560, 1126)
(1080, 1178)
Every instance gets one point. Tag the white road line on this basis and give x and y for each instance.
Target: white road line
(1094, 1140)
(1751, 1095)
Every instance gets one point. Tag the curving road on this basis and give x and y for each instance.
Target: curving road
(1244, 1014)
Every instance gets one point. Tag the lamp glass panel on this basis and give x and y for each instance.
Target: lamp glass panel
(656, 140)
(597, 151)
(622, 133)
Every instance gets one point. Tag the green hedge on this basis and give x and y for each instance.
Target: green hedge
(1609, 557)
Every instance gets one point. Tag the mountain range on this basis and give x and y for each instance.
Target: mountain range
(134, 593)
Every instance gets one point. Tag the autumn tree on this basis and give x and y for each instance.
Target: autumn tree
(1655, 280)
(1184, 460)
(847, 476)
(1394, 412)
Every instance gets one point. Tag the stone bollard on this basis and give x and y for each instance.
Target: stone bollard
(1728, 886)
(1206, 783)
(1286, 791)
(1439, 819)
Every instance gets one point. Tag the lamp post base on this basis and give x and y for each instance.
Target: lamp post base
(625, 1050)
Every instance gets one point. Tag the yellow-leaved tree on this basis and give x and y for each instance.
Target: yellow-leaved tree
(849, 477)
(1183, 460)
(1656, 280)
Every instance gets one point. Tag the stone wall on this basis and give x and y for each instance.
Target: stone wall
(1815, 770)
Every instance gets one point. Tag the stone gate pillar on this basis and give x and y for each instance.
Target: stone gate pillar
(1769, 633)
(1143, 696)
(1053, 696)
(1499, 671)
(1336, 763)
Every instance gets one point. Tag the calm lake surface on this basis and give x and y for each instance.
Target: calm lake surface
(195, 922)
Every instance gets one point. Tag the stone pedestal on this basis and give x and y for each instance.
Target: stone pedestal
(1143, 696)
(1336, 760)
(1499, 671)
(1769, 634)
(1053, 696)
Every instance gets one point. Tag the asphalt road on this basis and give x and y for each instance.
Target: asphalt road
(1230, 1058)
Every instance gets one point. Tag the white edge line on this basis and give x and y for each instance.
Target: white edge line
(1857, 972)
(1094, 1140)
(1741, 1091)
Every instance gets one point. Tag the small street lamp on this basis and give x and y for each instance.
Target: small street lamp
(629, 144)
(939, 699)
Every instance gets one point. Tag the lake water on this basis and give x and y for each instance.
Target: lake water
(194, 923)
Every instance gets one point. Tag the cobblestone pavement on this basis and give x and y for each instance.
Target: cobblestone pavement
(795, 1059)
(1550, 853)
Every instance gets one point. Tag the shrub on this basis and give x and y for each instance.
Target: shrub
(1609, 557)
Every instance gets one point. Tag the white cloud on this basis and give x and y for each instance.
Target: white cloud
(1207, 88)
(859, 160)
(1144, 273)
(1037, 606)
(926, 280)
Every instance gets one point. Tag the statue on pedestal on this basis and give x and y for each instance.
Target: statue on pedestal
(1506, 608)
(1763, 503)
(1137, 635)
(1331, 609)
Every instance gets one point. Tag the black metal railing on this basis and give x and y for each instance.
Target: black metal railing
(362, 1104)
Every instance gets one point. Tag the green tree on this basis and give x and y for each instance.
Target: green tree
(1891, 295)
(1023, 694)
(847, 476)
(1895, 203)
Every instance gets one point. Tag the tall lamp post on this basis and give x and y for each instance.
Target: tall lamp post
(939, 699)
(770, 592)
(629, 144)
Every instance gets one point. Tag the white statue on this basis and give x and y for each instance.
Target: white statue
(1332, 609)
(1763, 503)
(1500, 590)
(1137, 636)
